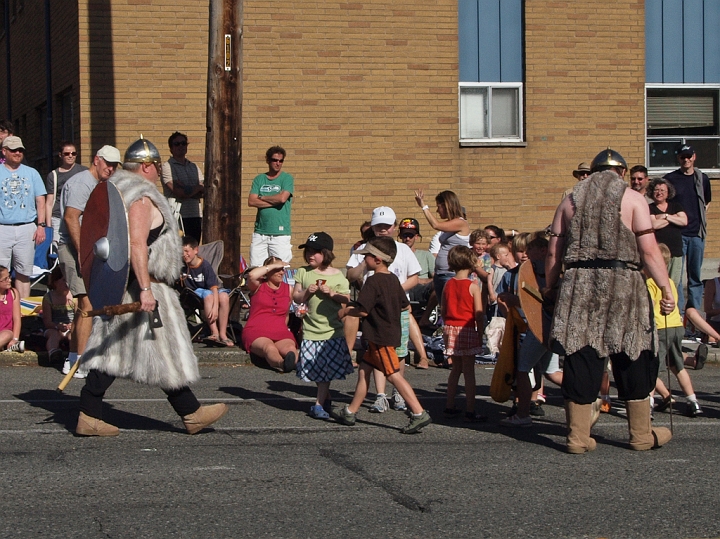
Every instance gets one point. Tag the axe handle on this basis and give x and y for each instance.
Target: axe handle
(113, 310)
(68, 377)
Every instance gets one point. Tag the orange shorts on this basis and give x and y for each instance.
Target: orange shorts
(383, 358)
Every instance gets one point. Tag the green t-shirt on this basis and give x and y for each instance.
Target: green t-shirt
(321, 322)
(273, 221)
(427, 263)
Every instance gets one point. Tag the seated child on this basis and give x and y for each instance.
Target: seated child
(9, 314)
(201, 279)
(379, 305)
(58, 312)
(670, 334)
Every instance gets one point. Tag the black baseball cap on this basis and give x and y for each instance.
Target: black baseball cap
(318, 241)
(409, 225)
(686, 149)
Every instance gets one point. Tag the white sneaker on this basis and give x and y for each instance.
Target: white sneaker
(380, 405)
(66, 367)
(81, 373)
(398, 401)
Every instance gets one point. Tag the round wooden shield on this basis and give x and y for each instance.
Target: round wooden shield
(531, 300)
(105, 216)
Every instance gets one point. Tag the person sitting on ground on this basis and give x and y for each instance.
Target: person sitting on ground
(202, 280)
(266, 333)
(9, 315)
(379, 304)
(670, 334)
(58, 312)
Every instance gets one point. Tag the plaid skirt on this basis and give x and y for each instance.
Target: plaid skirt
(324, 361)
(461, 341)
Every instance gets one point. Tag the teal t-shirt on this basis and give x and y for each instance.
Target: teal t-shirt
(321, 322)
(427, 263)
(274, 221)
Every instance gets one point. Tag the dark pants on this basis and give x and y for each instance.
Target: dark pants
(583, 372)
(97, 383)
(193, 227)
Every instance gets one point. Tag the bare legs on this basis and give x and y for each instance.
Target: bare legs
(273, 352)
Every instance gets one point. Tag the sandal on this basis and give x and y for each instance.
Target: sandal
(212, 340)
(228, 342)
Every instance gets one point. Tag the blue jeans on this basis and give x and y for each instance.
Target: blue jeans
(693, 252)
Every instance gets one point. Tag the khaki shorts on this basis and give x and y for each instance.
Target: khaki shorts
(70, 267)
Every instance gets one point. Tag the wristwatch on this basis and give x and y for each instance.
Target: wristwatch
(42, 224)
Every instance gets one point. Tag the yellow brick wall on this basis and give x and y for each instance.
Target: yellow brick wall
(27, 51)
(364, 97)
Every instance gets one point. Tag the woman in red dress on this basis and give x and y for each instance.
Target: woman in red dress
(266, 333)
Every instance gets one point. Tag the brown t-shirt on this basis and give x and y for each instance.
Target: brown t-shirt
(382, 298)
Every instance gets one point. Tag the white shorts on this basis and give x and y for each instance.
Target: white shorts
(17, 246)
(263, 247)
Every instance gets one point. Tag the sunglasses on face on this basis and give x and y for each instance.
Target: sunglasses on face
(407, 236)
(277, 160)
(180, 143)
(16, 150)
(68, 154)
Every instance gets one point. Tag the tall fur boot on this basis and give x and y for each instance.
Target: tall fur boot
(579, 418)
(642, 435)
(204, 417)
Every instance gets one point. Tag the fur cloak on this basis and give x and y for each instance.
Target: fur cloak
(606, 309)
(125, 346)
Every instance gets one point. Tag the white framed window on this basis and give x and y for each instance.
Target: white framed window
(682, 114)
(490, 113)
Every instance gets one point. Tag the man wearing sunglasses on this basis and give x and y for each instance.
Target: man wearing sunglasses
(271, 193)
(184, 185)
(22, 213)
(692, 192)
(55, 182)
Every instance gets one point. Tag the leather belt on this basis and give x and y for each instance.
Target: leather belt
(599, 263)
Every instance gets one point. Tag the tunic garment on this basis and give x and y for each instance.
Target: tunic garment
(606, 309)
(126, 346)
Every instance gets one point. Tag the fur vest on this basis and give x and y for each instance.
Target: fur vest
(606, 309)
(126, 346)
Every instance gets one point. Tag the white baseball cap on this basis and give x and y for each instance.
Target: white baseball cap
(110, 153)
(383, 216)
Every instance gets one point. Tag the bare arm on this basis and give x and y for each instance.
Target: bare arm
(140, 218)
(255, 275)
(478, 306)
(40, 231)
(355, 275)
(49, 203)
(556, 246)
(16, 315)
(72, 222)
(411, 282)
(254, 201)
(636, 216)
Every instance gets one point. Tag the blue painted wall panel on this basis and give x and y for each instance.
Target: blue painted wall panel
(672, 38)
(693, 54)
(468, 45)
(711, 55)
(653, 40)
(511, 29)
(489, 40)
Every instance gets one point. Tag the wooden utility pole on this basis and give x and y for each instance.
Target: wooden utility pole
(223, 143)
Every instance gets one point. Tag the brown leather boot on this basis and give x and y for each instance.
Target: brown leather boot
(89, 426)
(204, 417)
(642, 435)
(579, 417)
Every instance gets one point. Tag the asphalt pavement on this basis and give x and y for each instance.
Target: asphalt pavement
(269, 470)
